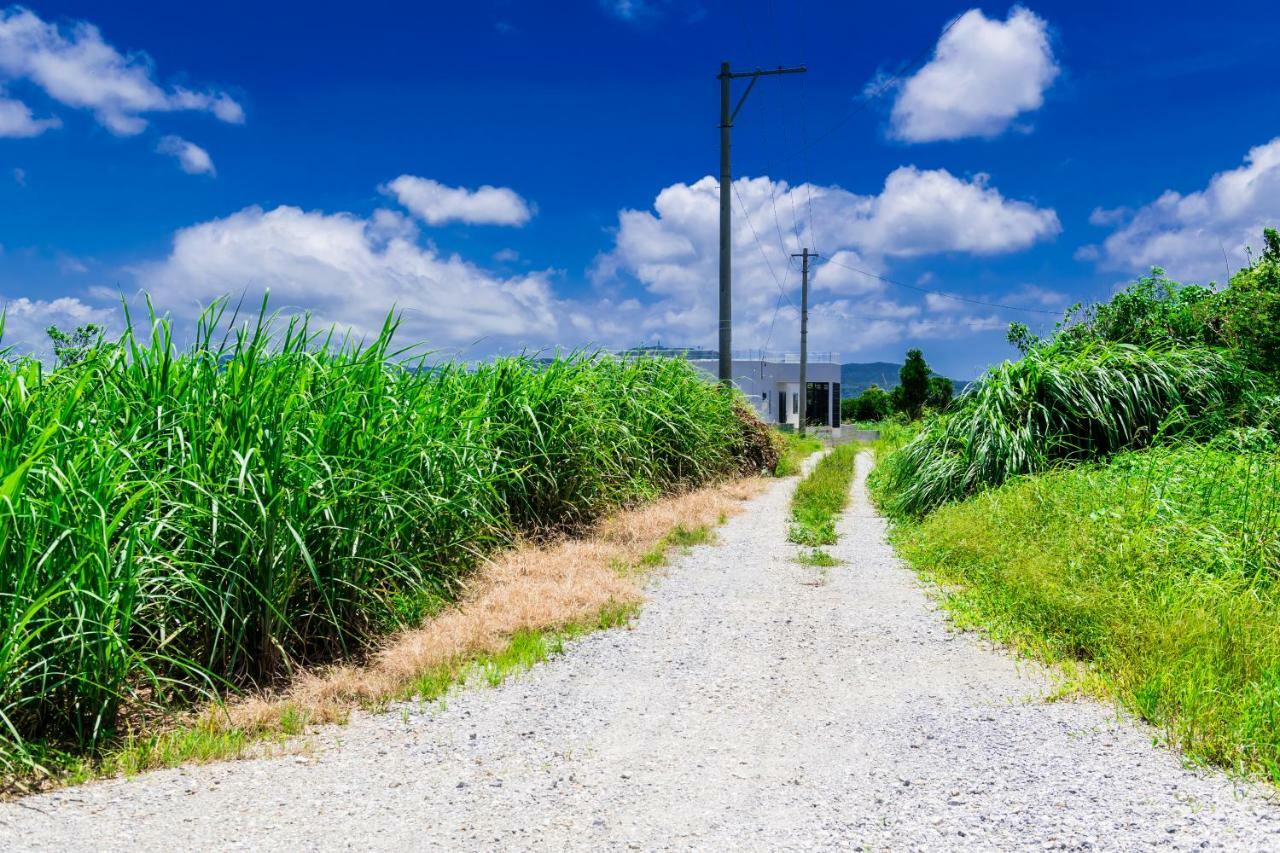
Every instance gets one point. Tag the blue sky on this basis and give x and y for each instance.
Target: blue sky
(527, 175)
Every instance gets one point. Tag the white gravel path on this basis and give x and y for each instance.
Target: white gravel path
(753, 706)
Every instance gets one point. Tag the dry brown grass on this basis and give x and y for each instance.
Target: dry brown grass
(531, 587)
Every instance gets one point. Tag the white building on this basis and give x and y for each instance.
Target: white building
(771, 381)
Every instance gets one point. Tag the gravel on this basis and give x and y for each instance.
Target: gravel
(755, 704)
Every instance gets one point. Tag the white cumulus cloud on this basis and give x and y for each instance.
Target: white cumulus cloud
(672, 251)
(925, 212)
(78, 68)
(193, 159)
(657, 280)
(437, 204)
(984, 74)
(350, 271)
(1190, 234)
(18, 122)
(25, 320)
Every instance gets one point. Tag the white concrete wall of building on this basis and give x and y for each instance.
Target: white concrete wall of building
(769, 383)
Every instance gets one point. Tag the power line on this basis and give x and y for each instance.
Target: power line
(769, 149)
(827, 311)
(868, 97)
(769, 338)
(804, 138)
(773, 196)
(747, 216)
(943, 294)
(783, 123)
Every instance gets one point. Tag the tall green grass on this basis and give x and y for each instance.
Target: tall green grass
(1160, 570)
(180, 522)
(1061, 405)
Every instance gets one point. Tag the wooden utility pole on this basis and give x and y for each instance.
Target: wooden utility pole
(804, 334)
(726, 188)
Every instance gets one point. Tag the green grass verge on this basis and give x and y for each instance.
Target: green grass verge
(820, 498)
(1154, 579)
(524, 650)
(795, 449)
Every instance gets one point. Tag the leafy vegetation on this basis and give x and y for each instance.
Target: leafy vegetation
(1160, 360)
(817, 558)
(795, 448)
(873, 404)
(176, 524)
(821, 497)
(1143, 552)
(71, 348)
(1157, 571)
(1061, 405)
(918, 390)
(912, 390)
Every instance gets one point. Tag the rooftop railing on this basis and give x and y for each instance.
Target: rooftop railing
(779, 357)
(698, 354)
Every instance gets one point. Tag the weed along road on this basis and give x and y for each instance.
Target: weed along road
(755, 703)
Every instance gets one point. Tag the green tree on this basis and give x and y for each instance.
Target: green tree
(1021, 337)
(1152, 311)
(913, 379)
(1249, 310)
(941, 392)
(873, 404)
(849, 409)
(70, 349)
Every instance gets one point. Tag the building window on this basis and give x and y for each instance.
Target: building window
(795, 402)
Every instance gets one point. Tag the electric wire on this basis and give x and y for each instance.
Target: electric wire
(868, 96)
(781, 113)
(808, 182)
(777, 305)
(759, 245)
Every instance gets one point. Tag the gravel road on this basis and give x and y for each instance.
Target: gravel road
(756, 704)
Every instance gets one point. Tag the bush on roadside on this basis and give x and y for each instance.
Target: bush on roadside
(1159, 359)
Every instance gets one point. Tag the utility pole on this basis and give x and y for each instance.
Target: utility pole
(804, 333)
(726, 188)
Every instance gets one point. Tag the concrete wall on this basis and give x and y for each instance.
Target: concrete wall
(765, 383)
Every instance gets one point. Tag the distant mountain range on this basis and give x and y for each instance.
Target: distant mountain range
(856, 377)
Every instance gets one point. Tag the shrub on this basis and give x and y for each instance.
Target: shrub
(1062, 404)
(873, 404)
(1250, 310)
(1242, 318)
(941, 392)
